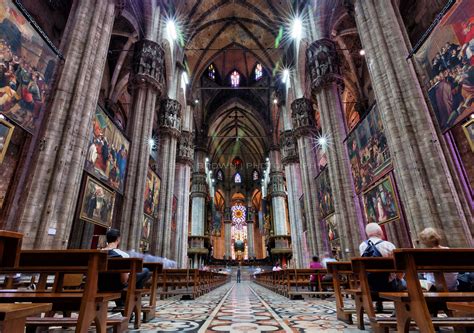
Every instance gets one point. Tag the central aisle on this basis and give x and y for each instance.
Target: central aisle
(245, 307)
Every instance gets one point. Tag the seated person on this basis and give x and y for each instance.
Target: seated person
(119, 281)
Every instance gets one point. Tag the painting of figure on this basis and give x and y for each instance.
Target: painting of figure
(6, 131)
(27, 65)
(331, 228)
(468, 130)
(380, 202)
(107, 154)
(324, 191)
(152, 193)
(368, 150)
(447, 57)
(97, 203)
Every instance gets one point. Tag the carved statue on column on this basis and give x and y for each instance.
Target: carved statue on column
(148, 64)
(186, 148)
(169, 117)
(323, 62)
(289, 148)
(277, 184)
(198, 184)
(302, 116)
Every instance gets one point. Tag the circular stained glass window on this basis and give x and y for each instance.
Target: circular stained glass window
(238, 215)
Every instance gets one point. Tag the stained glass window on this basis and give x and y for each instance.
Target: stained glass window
(238, 215)
(235, 79)
(237, 178)
(211, 72)
(220, 175)
(255, 175)
(258, 72)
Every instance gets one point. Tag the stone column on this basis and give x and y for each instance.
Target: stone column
(227, 232)
(326, 82)
(51, 200)
(290, 161)
(425, 184)
(281, 237)
(304, 128)
(198, 203)
(147, 84)
(169, 122)
(184, 162)
(250, 232)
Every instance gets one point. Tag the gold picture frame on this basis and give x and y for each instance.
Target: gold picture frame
(97, 203)
(380, 202)
(6, 132)
(468, 129)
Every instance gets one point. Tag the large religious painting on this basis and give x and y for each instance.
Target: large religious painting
(447, 56)
(368, 150)
(468, 130)
(152, 193)
(147, 225)
(174, 224)
(107, 154)
(27, 65)
(97, 203)
(333, 234)
(380, 202)
(323, 186)
(6, 132)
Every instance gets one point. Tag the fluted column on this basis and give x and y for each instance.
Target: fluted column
(302, 116)
(227, 232)
(326, 80)
(147, 84)
(278, 196)
(250, 233)
(184, 162)
(290, 161)
(425, 184)
(199, 192)
(51, 200)
(169, 122)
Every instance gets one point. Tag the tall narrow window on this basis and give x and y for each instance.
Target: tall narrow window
(235, 79)
(220, 175)
(237, 178)
(211, 72)
(255, 175)
(258, 72)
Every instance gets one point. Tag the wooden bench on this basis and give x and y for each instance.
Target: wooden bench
(149, 310)
(92, 306)
(414, 303)
(345, 282)
(297, 283)
(13, 316)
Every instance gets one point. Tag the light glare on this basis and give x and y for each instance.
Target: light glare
(286, 75)
(297, 28)
(171, 30)
(362, 52)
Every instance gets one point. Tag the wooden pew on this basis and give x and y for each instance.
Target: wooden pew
(10, 245)
(92, 306)
(414, 304)
(339, 271)
(13, 316)
(297, 283)
(149, 310)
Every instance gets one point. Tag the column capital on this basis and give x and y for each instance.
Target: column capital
(277, 184)
(302, 116)
(324, 64)
(169, 117)
(198, 185)
(288, 147)
(185, 153)
(274, 146)
(148, 65)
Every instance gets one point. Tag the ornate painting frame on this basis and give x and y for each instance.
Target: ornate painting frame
(152, 193)
(88, 207)
(467, 127)
(6, 132)
(381, 198)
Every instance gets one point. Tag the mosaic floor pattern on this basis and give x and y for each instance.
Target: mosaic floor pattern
(245, 307)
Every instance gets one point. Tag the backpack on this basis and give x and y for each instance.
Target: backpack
(371, 250)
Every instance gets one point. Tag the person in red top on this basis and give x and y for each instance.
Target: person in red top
(314, 264)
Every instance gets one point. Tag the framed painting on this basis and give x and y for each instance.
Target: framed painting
(107, 153)
(152, 193)
(6, 132)
(331, 228)
(447, 57)
(324, 192)
(147, 226)
(380, 202)
(467, 127)
(27, 64)
(97, 203)
(368, 150)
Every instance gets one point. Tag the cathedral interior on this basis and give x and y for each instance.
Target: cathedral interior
(221, 133)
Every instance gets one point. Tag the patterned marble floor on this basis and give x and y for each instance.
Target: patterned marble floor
(245, 307)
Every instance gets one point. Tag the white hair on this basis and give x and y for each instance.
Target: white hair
(373, 229)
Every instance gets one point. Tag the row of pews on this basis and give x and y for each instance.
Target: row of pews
(413, 306)
(295, 283)
(67, 293)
